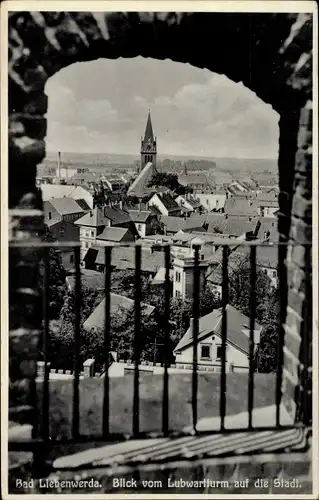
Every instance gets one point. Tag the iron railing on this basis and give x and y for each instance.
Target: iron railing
(44, 442)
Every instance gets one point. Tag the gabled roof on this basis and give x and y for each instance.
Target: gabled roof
(168, 202)
(89, 279)
(115, 234)
(140, 215)
(234, 226)
(94, 218)
(266, 256)
(140, 184)
(66, 206)
(116, 215)
(189, 179)
(212, 323)
(175, 224)
(83, 204)
(124, 258)
(117, 304)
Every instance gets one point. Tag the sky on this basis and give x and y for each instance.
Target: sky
(102, 106)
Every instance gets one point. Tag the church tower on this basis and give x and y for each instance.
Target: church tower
(148, 145)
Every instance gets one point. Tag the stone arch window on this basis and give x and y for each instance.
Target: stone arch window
(278, 68)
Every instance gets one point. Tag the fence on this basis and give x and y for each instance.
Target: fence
(44, 441)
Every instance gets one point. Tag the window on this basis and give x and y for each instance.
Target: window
(50, 215)
(219, 353)
(177, 293)
(274, 274)
(139, 227)
(178, 277)
(86, 244)
(205, 351)
(92, 234)
(87, 234)
(71, 258)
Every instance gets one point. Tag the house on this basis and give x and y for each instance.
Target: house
(183, 276)
(209, 342)
(65, 232)
(268, 204)
(94, 222)
(189, 202)
(50, 191)
(118, 304)
(145, 221)
(197, 182)
(89, 279)
(114, 236)
(266, 261)
(213, 201)
(165, 204)
(66, 209)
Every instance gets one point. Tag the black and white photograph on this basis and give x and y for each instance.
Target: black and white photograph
(159, 259)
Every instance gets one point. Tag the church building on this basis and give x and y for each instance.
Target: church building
(148, 145)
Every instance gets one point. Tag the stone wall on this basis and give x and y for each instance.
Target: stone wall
(269, 53)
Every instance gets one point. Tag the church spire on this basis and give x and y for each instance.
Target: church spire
(148, 144)
(149, 136)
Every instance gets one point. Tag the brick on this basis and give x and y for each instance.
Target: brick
(24, 368)
(291, 364)
(294, 322)
(24, 343)
(296, 301)
(303, 162)
(21, 392)
(298, 256)
(289, 387)
(289, 404)
(304, 137)
(301, 232)
(302, 204)
(37, 104)
(292, 342)
(306, 115)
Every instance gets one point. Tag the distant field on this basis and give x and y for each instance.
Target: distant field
(106, 161)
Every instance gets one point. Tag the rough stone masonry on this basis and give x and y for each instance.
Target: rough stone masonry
(269, 53)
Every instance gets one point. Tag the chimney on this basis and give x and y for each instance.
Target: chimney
(88, 368)
(50, 215)
(59, 165)
(121, 204)
(191, 325)
(139, 205)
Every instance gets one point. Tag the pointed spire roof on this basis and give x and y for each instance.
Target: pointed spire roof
(149, 129)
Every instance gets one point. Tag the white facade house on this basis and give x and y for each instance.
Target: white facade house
(183, 276)
(212, 201)
(209, 346)
(51, 191)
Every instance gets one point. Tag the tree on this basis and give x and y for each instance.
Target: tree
(168, 180)
(55, 285)
(267, 311)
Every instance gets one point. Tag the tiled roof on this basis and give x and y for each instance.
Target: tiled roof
(89, 279)
(175, 224)
(240, 206)
(115, 234)
(116, 215)
(117, 304)
(139, 215)
(169, 202)
(124, 258)
(83, 204)
(189, 179)
(94, 218)
(142, 180)
(66, 206)
(212, 323)
(266, 256)
(234, 226)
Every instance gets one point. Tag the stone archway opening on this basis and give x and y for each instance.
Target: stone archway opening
(276, 68)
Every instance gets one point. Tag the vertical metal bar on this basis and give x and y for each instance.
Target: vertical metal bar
(251, 333)
(165, 419)
(107, 333)
(222, 405)
(76, 378)
(282, 250)
(196, 311)
(137, 339)
(45, 395)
